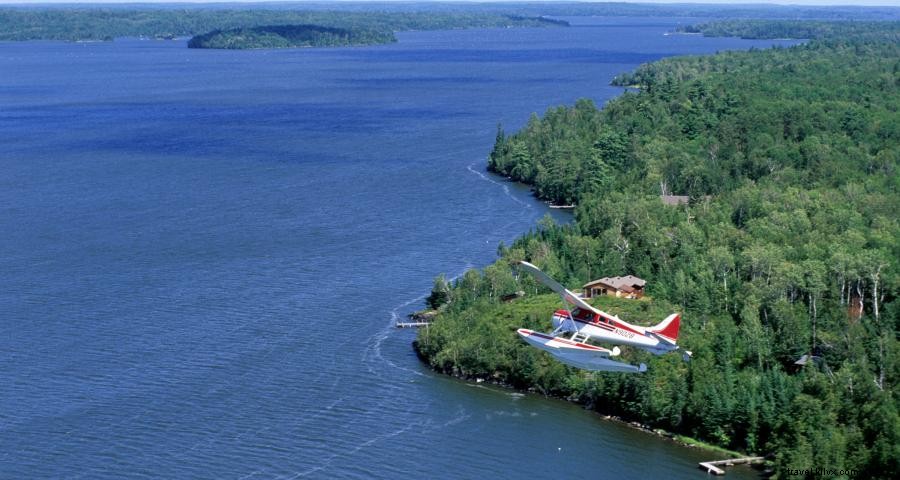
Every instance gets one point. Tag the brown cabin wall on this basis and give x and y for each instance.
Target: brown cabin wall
(596, 291)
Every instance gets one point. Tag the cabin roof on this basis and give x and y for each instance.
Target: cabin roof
(628, 283)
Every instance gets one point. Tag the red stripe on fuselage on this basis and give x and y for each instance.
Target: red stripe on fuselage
(608, 327)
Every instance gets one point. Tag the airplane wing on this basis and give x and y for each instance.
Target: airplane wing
(556, 287)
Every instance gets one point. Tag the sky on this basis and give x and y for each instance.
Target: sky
(882, 3)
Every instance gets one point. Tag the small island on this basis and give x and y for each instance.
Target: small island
(289, 36)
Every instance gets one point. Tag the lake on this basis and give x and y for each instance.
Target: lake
(204, 252)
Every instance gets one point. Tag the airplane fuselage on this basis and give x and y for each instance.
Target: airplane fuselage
(606, 328)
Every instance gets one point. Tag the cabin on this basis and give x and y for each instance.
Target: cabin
(628, 286)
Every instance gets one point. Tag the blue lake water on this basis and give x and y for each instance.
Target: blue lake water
(203, 253)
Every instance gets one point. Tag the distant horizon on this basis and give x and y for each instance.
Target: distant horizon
(796, 3)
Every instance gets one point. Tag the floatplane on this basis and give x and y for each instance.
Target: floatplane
(573, 329)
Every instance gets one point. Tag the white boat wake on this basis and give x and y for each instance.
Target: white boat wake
(505, 188)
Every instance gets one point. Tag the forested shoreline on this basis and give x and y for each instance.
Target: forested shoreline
(787, 247)
(289, 36)
(805, 29)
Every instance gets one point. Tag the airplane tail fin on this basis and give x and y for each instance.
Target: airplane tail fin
(668, 328)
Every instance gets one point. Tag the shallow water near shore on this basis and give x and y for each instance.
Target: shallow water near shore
(204, 252)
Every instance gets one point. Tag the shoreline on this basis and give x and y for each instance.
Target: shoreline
(498, 366)
(676, 438)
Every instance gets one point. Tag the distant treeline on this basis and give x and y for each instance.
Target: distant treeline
(87, 23)
(701, 10)
(806, 29)
(785, 261)
(827, 33)
(286, 36)
(80, 22)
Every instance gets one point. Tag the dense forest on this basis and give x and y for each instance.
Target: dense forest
(787, 246)
(88, 23)
(288, 36)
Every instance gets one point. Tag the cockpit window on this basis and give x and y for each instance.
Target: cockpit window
(583, 315)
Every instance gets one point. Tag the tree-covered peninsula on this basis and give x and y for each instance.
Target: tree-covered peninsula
(289, 36)
(783, 258)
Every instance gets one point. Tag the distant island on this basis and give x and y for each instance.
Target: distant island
(289, 36)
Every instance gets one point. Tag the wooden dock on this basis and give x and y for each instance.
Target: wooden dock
(713, 466)
(422, 318)
(412, 324)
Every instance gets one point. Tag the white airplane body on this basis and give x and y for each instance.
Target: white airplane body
(586, 323)
(577, 354)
